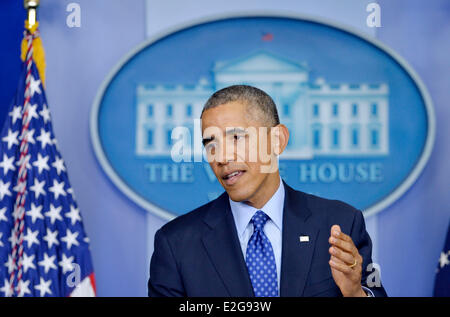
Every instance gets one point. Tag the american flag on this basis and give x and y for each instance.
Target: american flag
(44, 250)
(442, 279)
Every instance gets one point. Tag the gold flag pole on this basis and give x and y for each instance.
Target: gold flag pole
(31, 6)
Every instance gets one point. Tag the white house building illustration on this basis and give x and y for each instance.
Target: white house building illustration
(324, 119)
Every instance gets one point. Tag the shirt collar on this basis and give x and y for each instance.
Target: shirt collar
(243, 213)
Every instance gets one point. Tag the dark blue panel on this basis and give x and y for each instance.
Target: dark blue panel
(12, 19)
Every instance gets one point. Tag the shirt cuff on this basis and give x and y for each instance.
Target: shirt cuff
(368, 291)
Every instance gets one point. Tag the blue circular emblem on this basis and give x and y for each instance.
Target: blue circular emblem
(361, 122)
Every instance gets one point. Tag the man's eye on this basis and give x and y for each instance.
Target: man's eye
(210, 147)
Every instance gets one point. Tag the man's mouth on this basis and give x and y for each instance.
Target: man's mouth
(232, 178)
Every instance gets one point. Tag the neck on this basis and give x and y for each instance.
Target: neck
(265, 191)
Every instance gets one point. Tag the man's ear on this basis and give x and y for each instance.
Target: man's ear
(279, 138)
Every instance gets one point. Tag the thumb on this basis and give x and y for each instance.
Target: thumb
(335, 228)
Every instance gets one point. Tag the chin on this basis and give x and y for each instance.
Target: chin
(242, 193)
(238, 195)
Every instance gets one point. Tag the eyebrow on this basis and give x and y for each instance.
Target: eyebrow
(236, 131)
(207, 140)
(232, 131)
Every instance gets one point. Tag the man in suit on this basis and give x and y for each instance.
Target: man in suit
(260, 237)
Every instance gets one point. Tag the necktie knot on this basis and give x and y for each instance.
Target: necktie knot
(259, 219)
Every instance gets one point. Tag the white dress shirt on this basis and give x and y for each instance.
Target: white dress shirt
(273, 228)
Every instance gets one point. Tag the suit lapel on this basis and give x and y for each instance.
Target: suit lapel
(222, 245)
(296, 255)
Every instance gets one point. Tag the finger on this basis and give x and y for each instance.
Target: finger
(344, 245)
(342, 241)
(346, 257)
(337, 232)
(335, 259)
(335, 229)
(344, 268)
(357, 268)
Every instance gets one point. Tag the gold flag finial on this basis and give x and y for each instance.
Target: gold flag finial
(31, 25)
(31, 6)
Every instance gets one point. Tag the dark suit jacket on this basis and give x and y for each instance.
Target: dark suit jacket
(198, 254)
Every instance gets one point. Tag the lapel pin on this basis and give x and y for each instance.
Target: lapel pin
(304, 238)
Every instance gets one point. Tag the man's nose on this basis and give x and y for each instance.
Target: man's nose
(228, 153)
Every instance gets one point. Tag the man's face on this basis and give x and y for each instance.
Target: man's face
(228, 131)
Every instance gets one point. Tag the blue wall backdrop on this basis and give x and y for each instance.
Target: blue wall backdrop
(410, 233)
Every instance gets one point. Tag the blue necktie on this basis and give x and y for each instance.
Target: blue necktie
(261, 260)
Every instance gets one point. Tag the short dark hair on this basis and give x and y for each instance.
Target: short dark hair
(253, 97)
